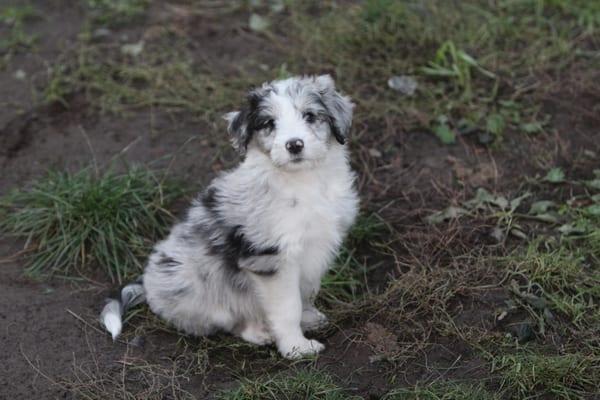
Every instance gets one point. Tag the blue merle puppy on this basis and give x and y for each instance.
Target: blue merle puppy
(249, 256)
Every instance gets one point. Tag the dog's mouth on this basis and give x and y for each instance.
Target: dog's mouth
(297, 160)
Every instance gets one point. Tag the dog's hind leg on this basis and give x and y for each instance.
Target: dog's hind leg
(312, 319)
(256, 333)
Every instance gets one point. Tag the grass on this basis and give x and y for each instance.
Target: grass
(556, 280)
(73, 221)
(345, 283)
(465, 74)
(301, 384)
(164, 78)
(442, 391)
(525, 375)
(14, 18)
(116, 12)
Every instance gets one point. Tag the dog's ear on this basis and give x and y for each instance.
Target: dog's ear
(237, 127)
(242, 124)
(338, 106)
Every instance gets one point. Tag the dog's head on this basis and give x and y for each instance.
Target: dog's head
(294, 121)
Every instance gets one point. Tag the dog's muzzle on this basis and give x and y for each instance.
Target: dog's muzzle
(294, 146)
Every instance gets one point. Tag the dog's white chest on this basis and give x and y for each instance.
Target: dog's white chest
(313, 217)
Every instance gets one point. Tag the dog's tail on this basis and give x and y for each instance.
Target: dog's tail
(131, 295)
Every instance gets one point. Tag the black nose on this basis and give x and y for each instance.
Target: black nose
(294, 146)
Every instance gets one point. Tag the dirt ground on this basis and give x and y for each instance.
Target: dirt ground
(49, 335)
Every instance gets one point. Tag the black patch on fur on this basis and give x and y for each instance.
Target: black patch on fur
(209, 198)
(250, 117)
(244, 248)
(228, 242)
(236, 247)
(326, 115)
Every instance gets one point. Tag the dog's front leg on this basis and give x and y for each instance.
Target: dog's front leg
(282, 304)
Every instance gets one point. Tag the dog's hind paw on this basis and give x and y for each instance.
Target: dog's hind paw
(313, 319)
(256, 334)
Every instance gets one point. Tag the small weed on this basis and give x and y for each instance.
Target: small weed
(14, 18)
(303, 384)
(442, 391)
(73, 221)
(569, 376)
(116, 12)
(343, 283)
(457, 66)
(586, 13)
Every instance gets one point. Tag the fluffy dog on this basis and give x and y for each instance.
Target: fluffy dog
(249, 256)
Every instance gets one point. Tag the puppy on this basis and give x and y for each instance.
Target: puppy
(249, 256)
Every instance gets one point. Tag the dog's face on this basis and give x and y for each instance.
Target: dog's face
(294, 121)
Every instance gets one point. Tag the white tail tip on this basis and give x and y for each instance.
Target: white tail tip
(111, 318)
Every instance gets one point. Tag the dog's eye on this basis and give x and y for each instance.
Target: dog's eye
(309, 117)
(268, 124)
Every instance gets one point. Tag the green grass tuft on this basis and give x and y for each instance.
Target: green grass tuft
(304, 384)
(16, 38)
(442, 391)
(570, 376)
(116, 12)
(558, 279)
(75, 221)
(345, 281)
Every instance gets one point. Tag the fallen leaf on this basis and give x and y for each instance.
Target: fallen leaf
(406, 85)
(518, 233)
(542, 206)
(555, 175)
(498, 234)
(594, 210)
(572, 229)
(444, 133)
(485, 137)
(551, 218)
(444, 215)
(593, 184)
(258, 23)
(20, 75)
(375, 153)
(133, 49)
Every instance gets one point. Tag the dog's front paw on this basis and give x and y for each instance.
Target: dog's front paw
(313, 319)
(303, 348)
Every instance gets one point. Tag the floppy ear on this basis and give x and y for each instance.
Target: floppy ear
(338, 106)
(241, 124)
(237, 127)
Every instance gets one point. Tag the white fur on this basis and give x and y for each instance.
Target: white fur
(111, 318)
(301, 207)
